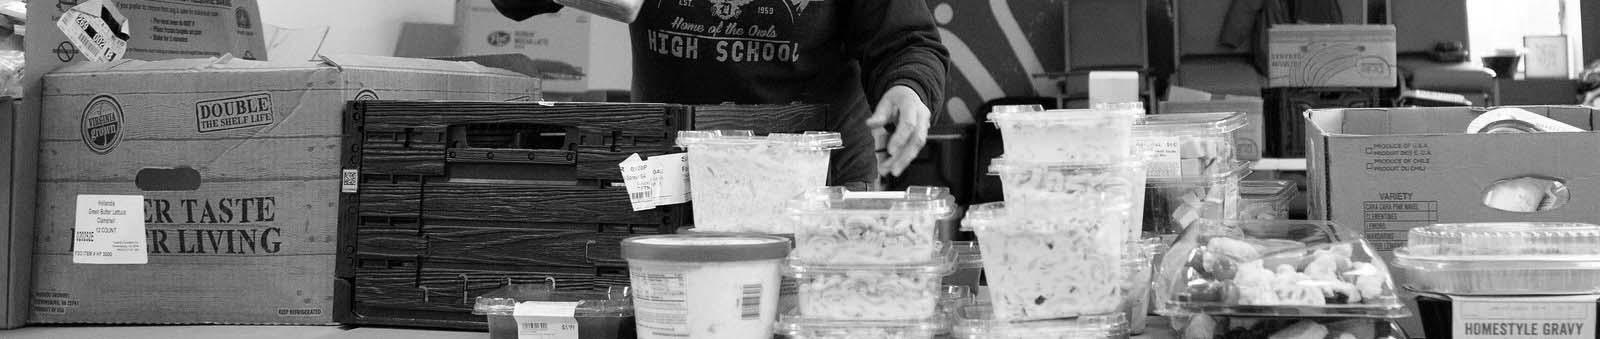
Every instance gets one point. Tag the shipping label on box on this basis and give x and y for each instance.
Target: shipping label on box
(559, 42)
(1248, 139)
(1331, 56)
(238, 163)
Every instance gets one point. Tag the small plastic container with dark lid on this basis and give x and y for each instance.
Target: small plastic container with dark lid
(599, 314)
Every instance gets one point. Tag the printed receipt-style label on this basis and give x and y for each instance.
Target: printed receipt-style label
(97, 28)
(1523, 317)
(661, 180)
(640, 180)
(546, 320)
(109, 229)
(1163, 156)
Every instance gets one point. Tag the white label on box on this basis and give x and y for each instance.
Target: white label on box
(109, 229)
(1163, 156)
(97, 28)
(546, 320)
(1523, 317)
(672, 178)
(640, 179)
(350, 181)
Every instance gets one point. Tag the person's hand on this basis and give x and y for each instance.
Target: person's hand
(901, 107)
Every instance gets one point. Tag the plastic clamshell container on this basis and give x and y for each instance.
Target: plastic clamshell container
(1138, 272)
(740, 182)
(1502, 259)
(1266, 199)
(836, 226)
(599, 315)
(1049, 189)
(1275, 268)
(1045, 267)
(870, 291)
(1078, 136)
(796, 326)
(978, 322)
(1201, 326)
(1188, 144)
(1173, 204)
(705, 285)
(968, 270)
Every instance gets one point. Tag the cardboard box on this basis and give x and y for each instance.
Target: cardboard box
(241, 208)
(18, 241)
(1331, 56)
(558, 41)
(1248, 139)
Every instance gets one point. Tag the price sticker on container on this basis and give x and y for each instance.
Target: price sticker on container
(672, 178)
(640, 179)
(1163, 156)
(546, 320)
(1523, 317)
(109, 229)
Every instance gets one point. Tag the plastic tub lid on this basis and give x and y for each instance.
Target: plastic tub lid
(915, 199)
(808, 140)
(939, 264)
(1240, 170)
(705, 247)
(503, 301)
(799, 326)
(977, 321)
(1267, 189)
(1207, 123)
(1065, 115)
(1002, 165)
(1506, 241)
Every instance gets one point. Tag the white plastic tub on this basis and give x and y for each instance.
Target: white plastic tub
(1082, 136)
(740, 182)
(1050, 267)
(837, 226)
(705, 285)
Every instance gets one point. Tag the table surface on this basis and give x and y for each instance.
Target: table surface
(1157, 329)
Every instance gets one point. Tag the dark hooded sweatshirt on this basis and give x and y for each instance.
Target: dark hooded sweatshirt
(843, 53)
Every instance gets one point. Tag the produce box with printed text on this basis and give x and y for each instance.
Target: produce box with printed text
(1331, 56)
(237, 165)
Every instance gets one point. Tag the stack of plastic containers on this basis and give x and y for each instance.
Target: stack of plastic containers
(868, 264)
(739, 182)
(1277, 279)
(1266, 199)
(1525, 273)
(1194, 172)
(1052, 251)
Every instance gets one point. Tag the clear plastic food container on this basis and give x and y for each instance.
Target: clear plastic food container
(1266, 199)
(870, 292)
(968, 270)
(1502, 259)
(1041, 267)
(594, 314)
(1187, 145)
(1052, 189)
(705, 285)
(1201, 326)
(796, 326)
(837, 226)
(1173, 204)
(1138, 271)
(1078, 136)
(979, 322)
(740, 182)
(1273, 268)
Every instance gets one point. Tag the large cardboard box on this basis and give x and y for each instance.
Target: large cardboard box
(17, 240)
(1331, 56)
(1248, 139)
(558, 41)
(238, 164)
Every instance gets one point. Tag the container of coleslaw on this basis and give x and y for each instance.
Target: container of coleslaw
(1266, 199)
(740, 182)
(1080, 136)
(1522, 258)
(979, 322)
(1051, 189)
(536, 310)
(1173, 204)
(870, 291)
(968, 270)
(1187, 145)
(1051, 266)
(796, 326)
(705, 285)
(1203, 326)
(836, 226)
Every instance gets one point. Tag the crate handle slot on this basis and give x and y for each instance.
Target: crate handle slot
(500, 152)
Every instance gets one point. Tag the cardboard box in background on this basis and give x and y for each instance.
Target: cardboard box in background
(1331, 56)
(1387, 170)
(559, 42)
(231, 27)
(1250, 139)
(242, 208)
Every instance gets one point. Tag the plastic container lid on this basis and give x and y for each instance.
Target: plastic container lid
(940, 264)
(1002, 165)
(799, 326)
(1067, 116)
(1502, 259)
(503, 301)
(977, 321)
(915, 199)
(1503, 241)
(1273, 190)
(1239, 170)
(1189, 123)
(811, 140)
(705, 247)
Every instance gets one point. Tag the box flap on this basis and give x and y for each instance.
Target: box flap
(1426, 120)
(413, 64)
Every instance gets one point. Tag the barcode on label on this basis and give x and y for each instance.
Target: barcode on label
(750, 303)
(637, 195)
(535, 326)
